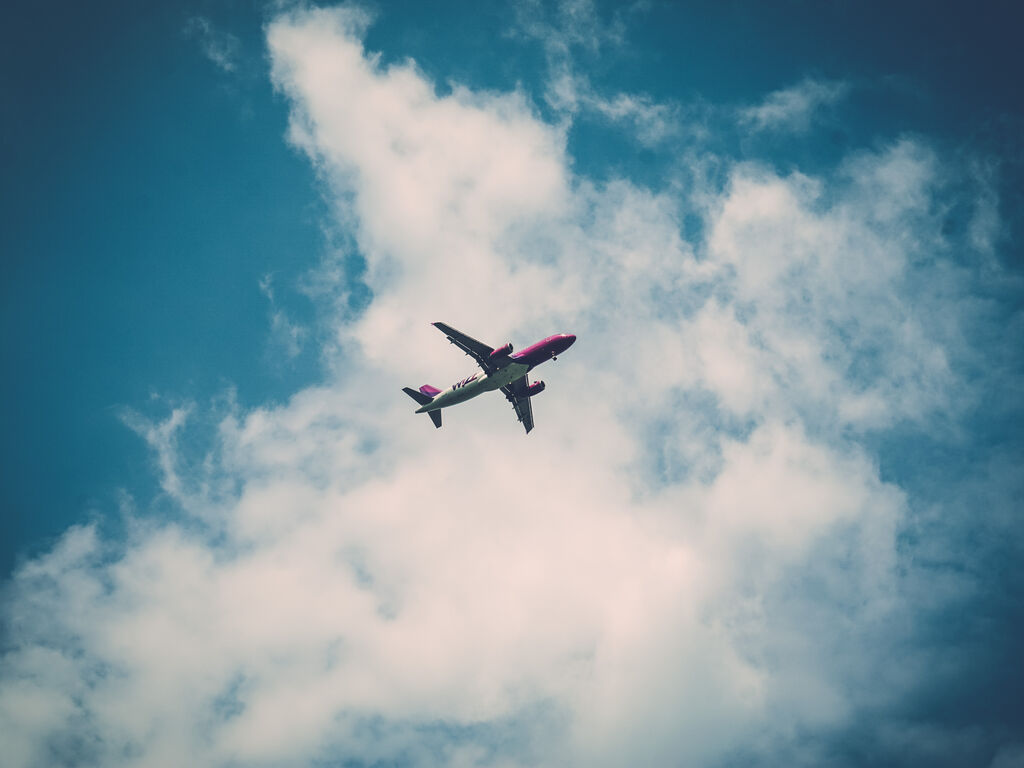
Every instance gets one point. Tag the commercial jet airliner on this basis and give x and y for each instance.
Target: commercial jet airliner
(501, 370)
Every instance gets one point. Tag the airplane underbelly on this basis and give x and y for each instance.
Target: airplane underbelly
(462, 392)
(508, 374)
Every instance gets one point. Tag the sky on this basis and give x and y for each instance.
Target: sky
(770, 513)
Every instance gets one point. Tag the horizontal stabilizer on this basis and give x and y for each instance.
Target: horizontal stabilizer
(420, 397)
(435, 416)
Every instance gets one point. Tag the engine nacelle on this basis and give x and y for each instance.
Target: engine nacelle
(535, 389)
(502, 351)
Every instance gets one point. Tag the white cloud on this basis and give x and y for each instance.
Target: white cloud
(842, 300)
(794, 108)
(438, 181)
(368, 588)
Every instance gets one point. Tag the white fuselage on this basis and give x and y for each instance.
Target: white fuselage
(474, 385)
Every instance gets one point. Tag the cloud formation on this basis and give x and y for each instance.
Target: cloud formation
(695, 558)
(796, 107)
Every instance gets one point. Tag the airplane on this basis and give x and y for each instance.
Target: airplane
(500, 370)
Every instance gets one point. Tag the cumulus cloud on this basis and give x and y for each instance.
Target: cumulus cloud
(695, 555)
(796, 107)
(828, 290)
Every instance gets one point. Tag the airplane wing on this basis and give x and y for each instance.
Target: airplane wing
(521, 403)
(475, 349)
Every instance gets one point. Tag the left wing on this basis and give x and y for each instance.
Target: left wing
(515, 393)
(475, 349)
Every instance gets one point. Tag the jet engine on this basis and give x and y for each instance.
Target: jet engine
(535, 389)
(502, 351)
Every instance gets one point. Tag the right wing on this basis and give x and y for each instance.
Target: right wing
(515, 393)
(475, 349)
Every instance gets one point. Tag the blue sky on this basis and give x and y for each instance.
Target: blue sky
(771, 509)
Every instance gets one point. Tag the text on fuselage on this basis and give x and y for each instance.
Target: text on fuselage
(465, 381)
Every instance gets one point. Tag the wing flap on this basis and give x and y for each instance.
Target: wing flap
(515, 393)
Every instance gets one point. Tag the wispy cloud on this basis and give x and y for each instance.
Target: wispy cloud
(568, 29)
(567, 24)
(650, 121)
(222, 48)
(367, 589)
(794, 108)
(285, 335)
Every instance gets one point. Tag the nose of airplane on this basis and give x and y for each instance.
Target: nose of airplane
(568, 339)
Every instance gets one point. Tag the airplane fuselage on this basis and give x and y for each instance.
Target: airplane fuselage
(474, 385)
